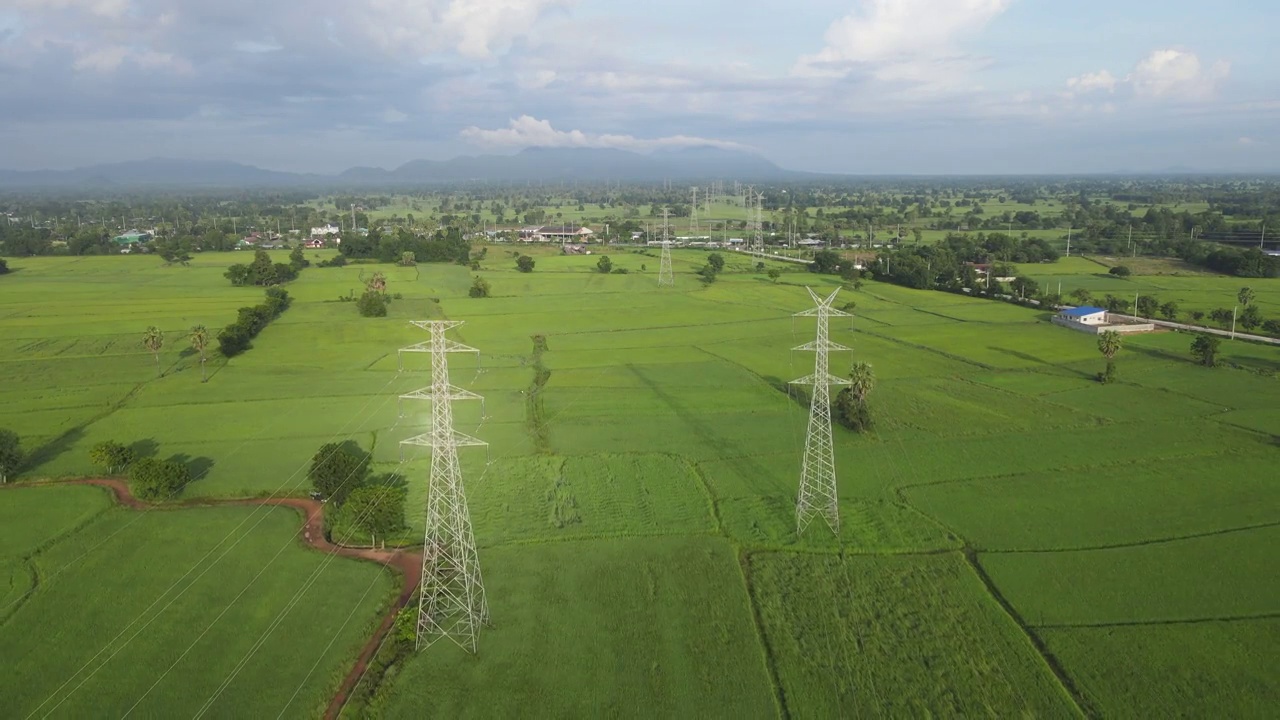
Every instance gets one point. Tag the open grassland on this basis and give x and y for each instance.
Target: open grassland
(635, 508)
(168, 613)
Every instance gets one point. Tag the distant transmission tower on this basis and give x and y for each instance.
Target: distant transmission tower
(818, 473)
(693, 214)
(665, 275)
(758, 223)
(452, 600)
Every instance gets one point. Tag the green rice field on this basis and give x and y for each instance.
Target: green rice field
(1016, 540)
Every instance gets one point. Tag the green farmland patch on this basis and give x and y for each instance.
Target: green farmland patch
(620, 628)
(896, 636)
(199, 598)
(1225, 575)
(1208, 669)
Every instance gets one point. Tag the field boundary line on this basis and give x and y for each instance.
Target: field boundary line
(1136, 543)
(1141, 623)
(1068, 686)
(757, 620)
(1004, 477)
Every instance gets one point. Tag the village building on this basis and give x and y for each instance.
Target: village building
(550, 233)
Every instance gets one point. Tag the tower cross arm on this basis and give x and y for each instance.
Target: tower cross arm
(816, 346)
(823, 310)
(454, 393)
(814, 380)
(457, 440)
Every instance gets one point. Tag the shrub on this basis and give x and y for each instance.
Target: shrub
(11, 455)
(604, 264)
(525, 264)
(372, 304)
(479, 288)
(1120, 271)
(151, 479)
(620, 271)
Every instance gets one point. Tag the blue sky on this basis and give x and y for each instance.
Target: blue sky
(856, 86)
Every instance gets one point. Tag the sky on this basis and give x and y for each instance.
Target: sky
(842, 86)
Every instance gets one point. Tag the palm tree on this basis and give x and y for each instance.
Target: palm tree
(1109, 344)
(200, 342)
(153, 340)
(861, 381)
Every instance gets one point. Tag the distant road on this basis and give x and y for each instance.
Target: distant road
(1198, 328)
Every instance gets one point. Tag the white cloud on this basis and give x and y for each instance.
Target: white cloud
(393, 115)
(526, 131)
(1176, 74)
(1247, 141)
(472, 28)
(1165, 74)
(109, 58)
(102, 8)
(1101, 80)
(256, 46)
(899, 39)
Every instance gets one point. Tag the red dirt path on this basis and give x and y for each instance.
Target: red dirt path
(408, 564)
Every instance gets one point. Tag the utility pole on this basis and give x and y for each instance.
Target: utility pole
(665, 276)
(1069, 241)
(1264, 236)
(817, 494)
(451, 599)
(1233, 321)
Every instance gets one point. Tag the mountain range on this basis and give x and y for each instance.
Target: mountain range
(529, 165)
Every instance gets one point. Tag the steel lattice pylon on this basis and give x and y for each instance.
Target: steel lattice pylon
(818, 472)
(665, 274)
(452, 601)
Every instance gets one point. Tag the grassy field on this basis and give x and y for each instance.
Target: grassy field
(635, 513)
(167, 613)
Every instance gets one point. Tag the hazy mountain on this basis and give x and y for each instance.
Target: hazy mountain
(155, 171)
(532, 164)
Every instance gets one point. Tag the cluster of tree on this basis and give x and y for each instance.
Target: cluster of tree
(715, 264)
(479, 288)
(112, 457)
(234, 338)
(151, 479)
(390, 246)
(374, 301)
(262, 271)
(1249, 316)
(850, 406)
(1205, 349)
(11, 455)
(949, 265)
(604, 264)
(340, 473)
(4, 266)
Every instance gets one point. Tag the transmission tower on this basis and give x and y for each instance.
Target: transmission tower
(693, 214)
(451, 601)
(758, 223)
(818, 472)
(665, 275)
